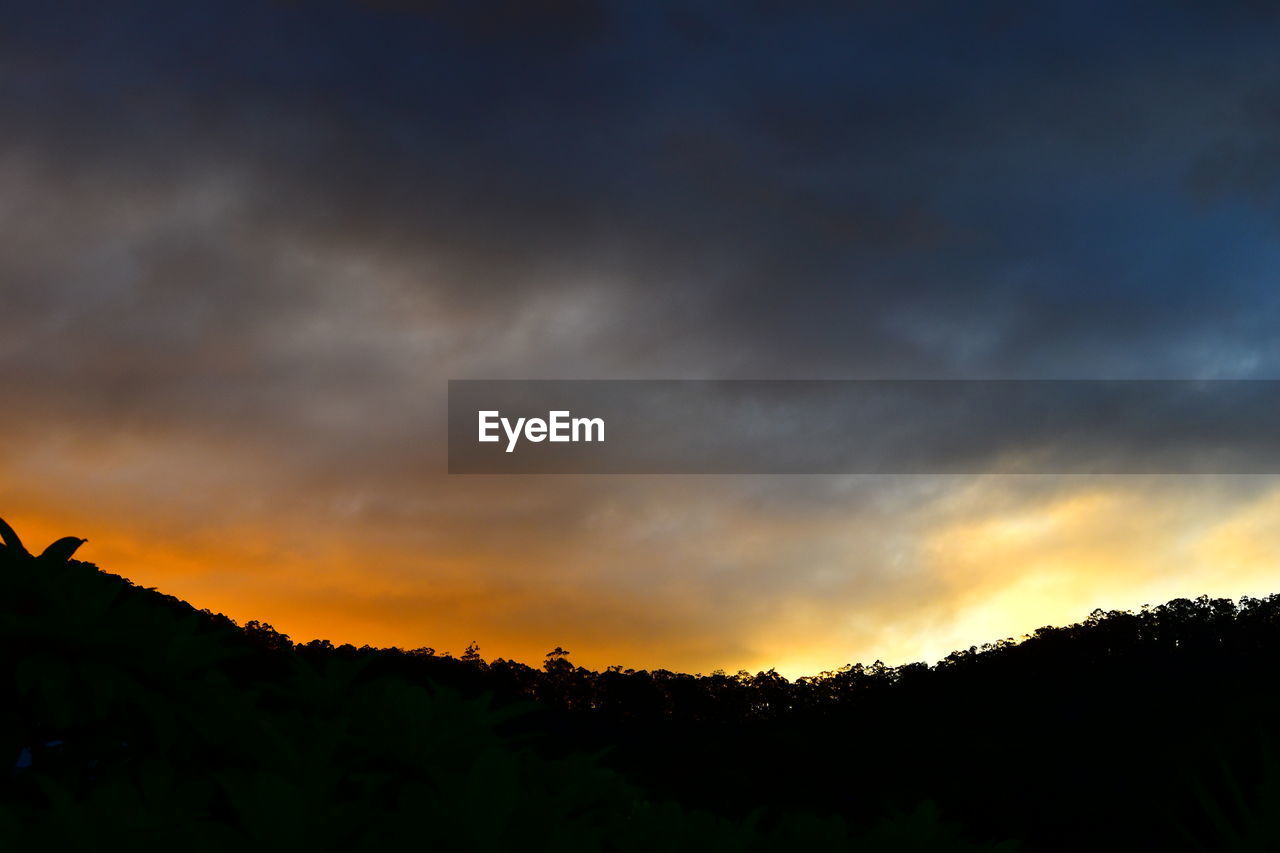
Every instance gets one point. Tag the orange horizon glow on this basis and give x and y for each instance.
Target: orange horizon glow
(979, 576)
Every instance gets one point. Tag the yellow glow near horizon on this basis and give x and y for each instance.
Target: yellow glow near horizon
(985, 568)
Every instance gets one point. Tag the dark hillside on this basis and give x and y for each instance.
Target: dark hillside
(133, 717)
(132, 721)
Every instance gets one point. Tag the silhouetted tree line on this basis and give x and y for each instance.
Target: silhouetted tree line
(132, 718)
(1179, 634)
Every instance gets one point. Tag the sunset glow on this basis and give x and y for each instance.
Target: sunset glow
(236, 286)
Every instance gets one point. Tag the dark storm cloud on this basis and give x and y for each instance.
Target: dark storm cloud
(303, 216)
(245, 244)
(918, 189)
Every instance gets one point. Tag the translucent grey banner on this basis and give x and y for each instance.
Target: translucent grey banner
(864, 427)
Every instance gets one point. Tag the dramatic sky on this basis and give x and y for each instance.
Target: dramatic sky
(243, 245)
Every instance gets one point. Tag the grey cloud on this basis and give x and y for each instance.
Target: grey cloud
(232, 236)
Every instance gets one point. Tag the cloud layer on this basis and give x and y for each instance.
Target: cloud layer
(244, 246)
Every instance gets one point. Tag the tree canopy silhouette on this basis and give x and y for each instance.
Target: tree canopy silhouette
(131, 717)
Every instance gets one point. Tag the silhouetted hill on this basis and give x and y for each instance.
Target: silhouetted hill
(132, 718)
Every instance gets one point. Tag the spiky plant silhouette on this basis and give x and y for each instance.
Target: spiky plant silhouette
(58, 551)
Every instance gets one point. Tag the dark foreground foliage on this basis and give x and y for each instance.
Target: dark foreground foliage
(132, 719)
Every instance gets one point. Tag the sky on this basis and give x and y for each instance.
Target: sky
(244, 245)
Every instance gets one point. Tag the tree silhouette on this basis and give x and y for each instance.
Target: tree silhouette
(132, 718)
